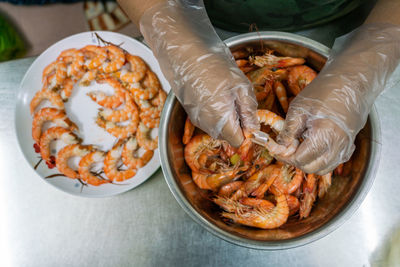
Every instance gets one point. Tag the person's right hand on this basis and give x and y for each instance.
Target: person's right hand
(217, 96)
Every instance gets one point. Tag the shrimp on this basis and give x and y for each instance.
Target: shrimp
(339, 169)
(75, 150)
(117, 59)
(148, 110)
(148, 121)
(111, 165)
(293, 203)
(256, 202)
(260, 217)
(215, 181)
(309, 195)
(272, 61)
(44, 94)
(141, 93)
(188, 131)
(75, 59)
(241, 62)
(257, 179)
(107, 101)
(268, 117)
(144, 139)
(136, 72)
(96, 55)
(228, 189)
(59, 68)
(120, 131)
(67, 88)
(299, 77)
(159, 99)
(198, 145)
(324, 182)
(88, 77)
(238, 54)
(280, 92)
(85, 165)
(122, 114)
(289, 181)
(52, 134)
(128, 157)
(260, 76)
(259, 192)
(54, 115)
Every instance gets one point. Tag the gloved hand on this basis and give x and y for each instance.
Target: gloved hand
(200, 68)
(331, 110)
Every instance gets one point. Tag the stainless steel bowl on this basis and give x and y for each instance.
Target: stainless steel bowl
(343, 199)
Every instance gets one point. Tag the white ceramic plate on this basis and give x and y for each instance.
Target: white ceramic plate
(81, 110)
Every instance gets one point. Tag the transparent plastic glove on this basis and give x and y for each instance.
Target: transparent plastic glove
(332, 109)
(200, 68)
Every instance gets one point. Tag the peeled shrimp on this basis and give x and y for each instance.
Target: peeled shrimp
(85, 165)
(120, 131)
(268, 117)
(128, 157)
(88, 77)
(54, 115)
(52, 134)
(96, 55)
(260, 217)
(58, 68)
(44, 94)
(122, 114)
(144, 139)
(111, 165)
(75, 60)
(136, 72)
(65, 154)
(299, 77)
(107, 101)
(67, 88)
(116, 57)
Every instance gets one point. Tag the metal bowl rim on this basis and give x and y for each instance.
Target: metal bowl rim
(317, 234)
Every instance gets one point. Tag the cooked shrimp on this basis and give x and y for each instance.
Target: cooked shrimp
(299, 77)
(272, 61)
(309, 195)
(128, 154)
(257, 179)
(52, 134)
(121, 114)
(54, 115)
(59, 68)
(228, 189)
(120, 131)
(96, 55)
(85, 165)
(107, 101)
(188, 131)
(257, 203)
(293, 203)
(259, 192)
(117, 59)
(148, 121)
(260, 76)
(238, 54)
(289, 180)
(159, 99)
(75, 150)
(260, 217)
(268, 117)
(230, 205)
(339, 169)
(75, 59)
(67, 88)
(88, 77)
(242, 62)
(280, 92)
(136, 72)
(215, 181)
(144, 139)
(148, 110)
(111, 165)
(139, 92)
(324, 182)
(200, 144)
(49, 95)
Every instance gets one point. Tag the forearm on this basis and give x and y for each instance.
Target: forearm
(136, 8)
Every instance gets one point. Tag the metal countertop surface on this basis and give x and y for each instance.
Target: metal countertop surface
(43, 226)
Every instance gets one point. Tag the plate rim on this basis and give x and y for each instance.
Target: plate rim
(18, 99)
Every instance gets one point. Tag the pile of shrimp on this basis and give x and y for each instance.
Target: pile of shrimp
(248, 183)
(129, 114)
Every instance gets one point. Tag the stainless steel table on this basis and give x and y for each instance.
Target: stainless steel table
(42, 226)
